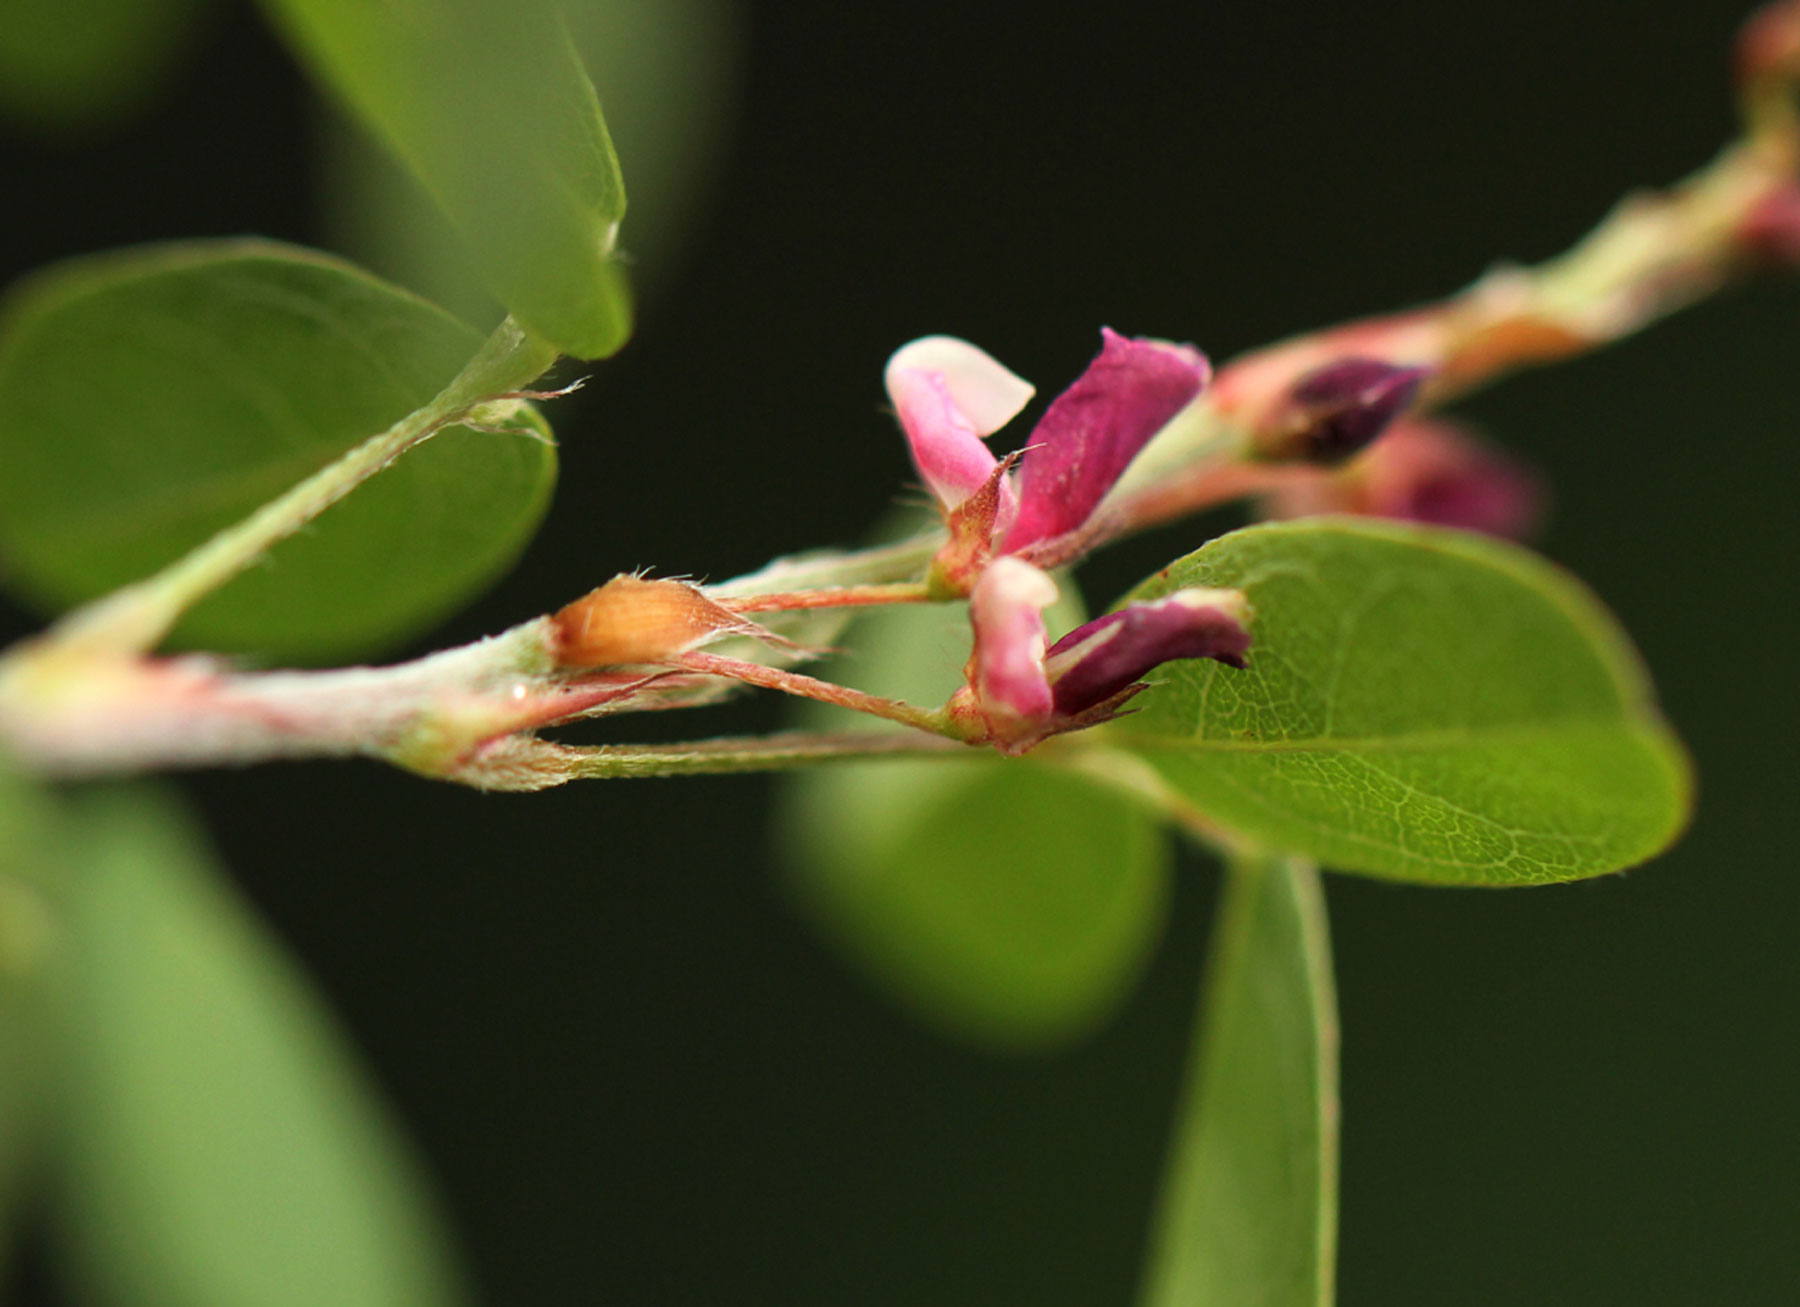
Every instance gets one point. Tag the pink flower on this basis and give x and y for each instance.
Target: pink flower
(950, 395)
(1022, 691)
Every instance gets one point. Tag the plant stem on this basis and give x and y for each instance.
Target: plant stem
(779, 752)
(841, 596)
(1654, 254)
(138, 617)
(902, 561)
(1248, 1209)
(934, 720)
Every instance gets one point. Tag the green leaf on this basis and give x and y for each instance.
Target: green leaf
(220, 1148)
(29, 929)
(668, 71)
(62, 73)
(1421, 704)
(487, 104)
(1248, 1210)
(150, 397)
(1010, 903)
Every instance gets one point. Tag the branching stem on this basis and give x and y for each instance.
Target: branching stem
(137, 617)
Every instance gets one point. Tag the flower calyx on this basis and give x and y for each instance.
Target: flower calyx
(639, 621)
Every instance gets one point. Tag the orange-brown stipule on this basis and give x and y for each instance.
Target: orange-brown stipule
(634, 620)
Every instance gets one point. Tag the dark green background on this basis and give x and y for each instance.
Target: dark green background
(640, 1077)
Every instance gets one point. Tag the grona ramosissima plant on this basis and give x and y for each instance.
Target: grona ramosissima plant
(1375, 679)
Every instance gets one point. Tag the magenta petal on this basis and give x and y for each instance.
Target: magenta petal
(1092, 663)
(1007, 613)
(1096, 427)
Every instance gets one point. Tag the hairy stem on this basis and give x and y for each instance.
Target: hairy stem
(842, 596)
(1651, 256)
(781, 752)
(933, 720)
(138, 617)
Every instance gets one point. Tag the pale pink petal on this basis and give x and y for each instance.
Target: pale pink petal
(1096, 427)
(1006, 611)
(949, 394)
(986, 394)
(945, 449)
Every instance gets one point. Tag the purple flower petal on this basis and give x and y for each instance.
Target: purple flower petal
(1007, 613)
(1096, 427)
(1093, 663)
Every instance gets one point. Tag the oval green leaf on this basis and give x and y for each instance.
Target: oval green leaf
(489, 107)
(150, 397)
(668, 71)
(220, 1146)
(1248, 1209)
(1006, 902)
(1421, 704)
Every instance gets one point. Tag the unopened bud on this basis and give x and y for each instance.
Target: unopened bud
(1425, 471)
(634, 621)
(1094, 664)
(1332, 413)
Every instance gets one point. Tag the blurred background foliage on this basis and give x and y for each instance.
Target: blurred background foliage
(638, 1074)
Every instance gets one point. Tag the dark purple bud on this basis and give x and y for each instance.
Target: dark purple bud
(1334, 412)
(1096, 427)
(1422, 471)
(1095, 662)
(1432, 472)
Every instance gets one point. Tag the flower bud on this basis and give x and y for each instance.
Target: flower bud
(1424, 471)
(1093, 665)
(1333, 412)
(632, 620)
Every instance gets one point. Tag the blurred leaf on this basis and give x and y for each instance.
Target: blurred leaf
(29, 931)
(665, 69)
(150, 397)
(489, 107)
(1421, 704)
(1248, 1211)
(66, 67)
(220, 1147)
(1011, 903)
